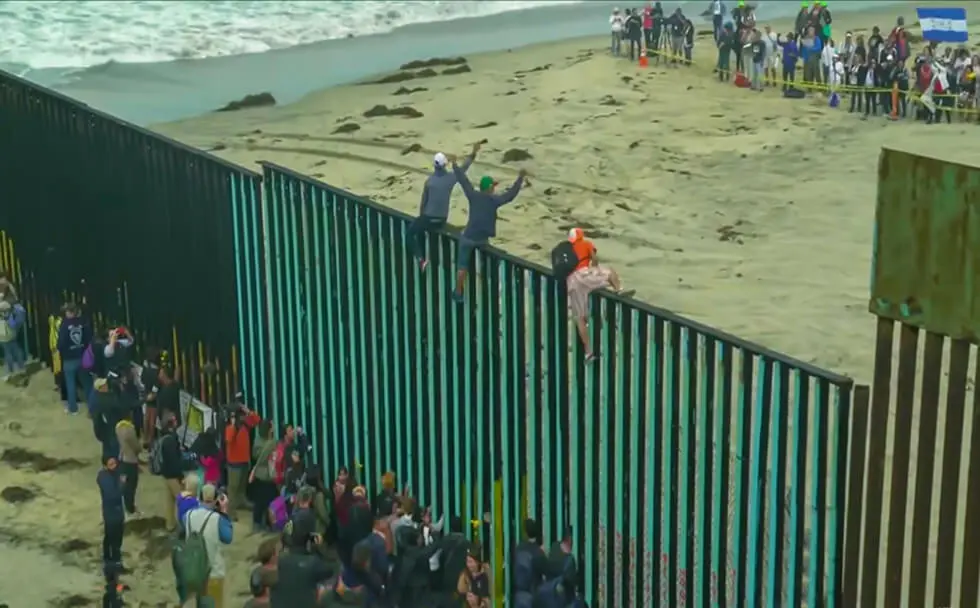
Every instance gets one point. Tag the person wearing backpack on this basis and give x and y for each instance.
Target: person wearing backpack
(74, 338)
(199, 559)
(586, 277)
(530, 566)
(167, 461)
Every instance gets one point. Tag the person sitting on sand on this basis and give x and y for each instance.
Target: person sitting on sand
(482, 222)
(434, 209)
(586, 278)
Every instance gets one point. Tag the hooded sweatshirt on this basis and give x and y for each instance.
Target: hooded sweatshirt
(482, 223)
(74, 336)
(438, 189)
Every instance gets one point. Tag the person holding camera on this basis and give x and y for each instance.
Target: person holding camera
(301, 570)
(211, 522)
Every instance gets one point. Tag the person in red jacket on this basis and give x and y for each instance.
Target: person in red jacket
(238, 453)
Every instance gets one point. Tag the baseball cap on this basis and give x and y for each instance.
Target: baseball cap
(487, 182)
(440, 159)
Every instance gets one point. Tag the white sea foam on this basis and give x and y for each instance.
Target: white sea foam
(65, 34)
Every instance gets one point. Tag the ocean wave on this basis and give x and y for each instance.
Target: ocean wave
(57, 34)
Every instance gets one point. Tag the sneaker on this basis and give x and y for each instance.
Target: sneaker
(457, 297)
(423, 264)
(589, 358)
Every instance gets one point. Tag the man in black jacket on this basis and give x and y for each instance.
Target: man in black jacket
(300, 570)
(172, 467)
(634, 31)
(113, 515)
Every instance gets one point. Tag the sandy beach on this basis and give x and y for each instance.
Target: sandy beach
(747, 211)
(51, 518)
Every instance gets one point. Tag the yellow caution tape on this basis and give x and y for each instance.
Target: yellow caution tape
(912, 95)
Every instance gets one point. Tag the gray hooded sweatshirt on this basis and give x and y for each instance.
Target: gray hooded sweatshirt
(482, 223)
(438, 189)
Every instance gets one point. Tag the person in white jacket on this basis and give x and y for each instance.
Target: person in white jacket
(616, 31)
(827, 59)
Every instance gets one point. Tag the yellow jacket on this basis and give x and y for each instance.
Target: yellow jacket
(54, 325)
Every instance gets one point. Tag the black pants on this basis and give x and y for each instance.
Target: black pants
(903, 100)
(716, 24)
(417, 230)
(789, 75)
(857, 101)
(648, 36)
(636, 45)
(263, 493)
(740, 60)
(870, 103)
(112, 542)
(132, 473)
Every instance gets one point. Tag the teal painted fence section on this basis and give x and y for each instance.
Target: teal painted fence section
(689, 466)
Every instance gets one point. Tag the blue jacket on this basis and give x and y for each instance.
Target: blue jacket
(482, 223)
(791, 53)
(438, 189)
(74, 336)
(807, 52)
(112, 496)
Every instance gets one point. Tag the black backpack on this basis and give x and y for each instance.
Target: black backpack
(563, 260)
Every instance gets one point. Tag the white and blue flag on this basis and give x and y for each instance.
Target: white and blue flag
(943, 24)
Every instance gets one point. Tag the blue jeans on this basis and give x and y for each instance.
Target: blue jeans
(465, 253)
(13, 354)
(757, 73)
(417, 230)
(616, 45)
(74, 373)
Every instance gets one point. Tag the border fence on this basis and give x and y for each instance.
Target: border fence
(689, 466)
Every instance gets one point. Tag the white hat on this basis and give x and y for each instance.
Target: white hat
(440, 159)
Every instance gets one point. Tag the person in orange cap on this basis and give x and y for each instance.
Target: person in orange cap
(586, 278)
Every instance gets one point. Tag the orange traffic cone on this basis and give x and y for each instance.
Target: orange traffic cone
(643, 58)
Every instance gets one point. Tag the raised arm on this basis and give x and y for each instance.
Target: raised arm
(511, 193)
(472, 156)
(464, 182)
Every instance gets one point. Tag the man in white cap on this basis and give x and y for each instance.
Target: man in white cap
(434, 209)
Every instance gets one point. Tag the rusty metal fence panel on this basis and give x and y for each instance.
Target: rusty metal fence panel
(923, 398)
(138, 226)
(927, 244)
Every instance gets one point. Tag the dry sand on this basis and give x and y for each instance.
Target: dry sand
(51, 545)
(746, 211)
(743, 210)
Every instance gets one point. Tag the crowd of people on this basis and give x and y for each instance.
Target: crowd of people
(881, 74)
(325, 545)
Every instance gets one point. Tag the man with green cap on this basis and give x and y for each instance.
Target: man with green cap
(802, 18)
(482, 221)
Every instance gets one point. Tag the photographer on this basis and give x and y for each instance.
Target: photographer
(300, 571)
(210, 523)
(238, 452)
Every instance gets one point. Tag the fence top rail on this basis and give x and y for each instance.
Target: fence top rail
(84, 107)
(662, 313)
